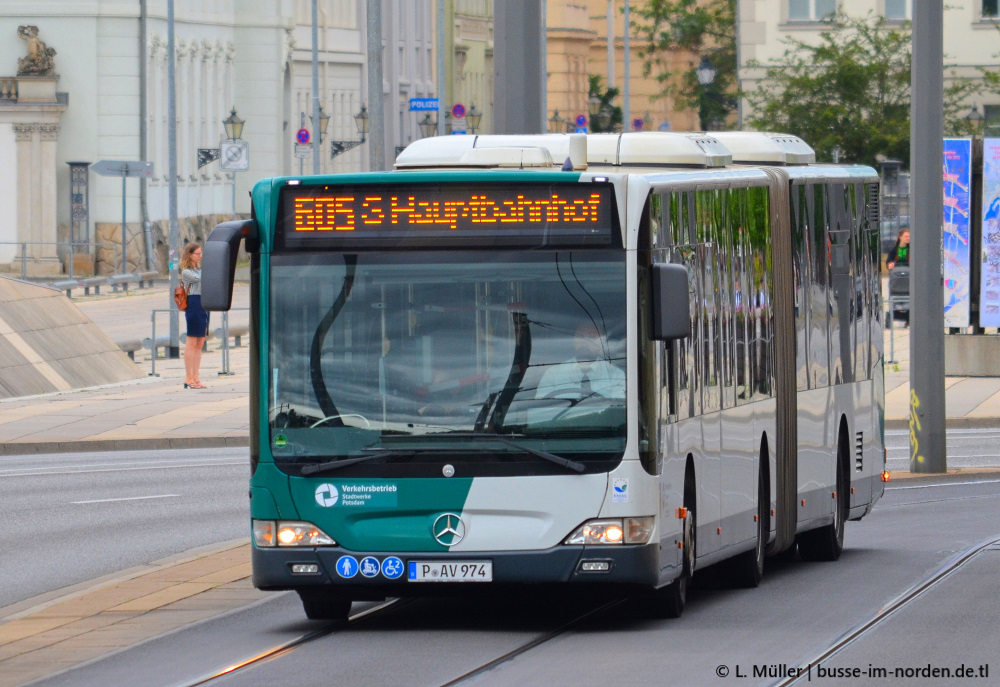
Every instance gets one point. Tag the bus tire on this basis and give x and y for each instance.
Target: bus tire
(320, 605)
(827, 543)
(747, 569)
(669, 601)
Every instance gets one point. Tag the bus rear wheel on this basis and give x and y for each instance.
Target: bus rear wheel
(320, 605)
(747, 569)
(827, 543)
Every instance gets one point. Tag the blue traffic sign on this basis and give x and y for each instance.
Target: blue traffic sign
(424, 104)
(392, 567)
(581, 120)
(302, 136)
(458, 111)
(637, 124)
(347, 566)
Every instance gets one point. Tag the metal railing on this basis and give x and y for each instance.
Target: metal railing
(894, 303)
(73, 249)
(155, 345)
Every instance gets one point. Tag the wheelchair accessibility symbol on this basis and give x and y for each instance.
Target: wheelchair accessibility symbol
(392, 567)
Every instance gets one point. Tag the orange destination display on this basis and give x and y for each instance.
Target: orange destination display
(493, 213)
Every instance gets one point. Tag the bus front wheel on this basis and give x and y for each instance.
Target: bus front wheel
(669, 601)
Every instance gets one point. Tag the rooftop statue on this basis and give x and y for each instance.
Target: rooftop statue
(38, 61)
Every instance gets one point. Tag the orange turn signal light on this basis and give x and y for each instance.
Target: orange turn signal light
(885, 476)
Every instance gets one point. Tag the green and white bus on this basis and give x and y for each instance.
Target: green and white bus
(600, 361)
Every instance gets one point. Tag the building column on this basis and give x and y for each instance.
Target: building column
(48, 223)
(36, 189)
(23, 134)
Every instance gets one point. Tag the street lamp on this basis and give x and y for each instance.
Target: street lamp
(474, 116)
(593, 106)
(428, 126)
(604, 115)
(557, 124)
(234, 130)
(705, 74)
(975, 120)
(361, 120)
(324, 120)
(234, 126)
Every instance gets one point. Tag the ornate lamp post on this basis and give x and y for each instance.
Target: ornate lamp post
(234, 132)
(706, 77)
(976, 121)
(324, 121)
(428, 126)
(361, 120)
(473, 116)
(557, 124)
(234, 126)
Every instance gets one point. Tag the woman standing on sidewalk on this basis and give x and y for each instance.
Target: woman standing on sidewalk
(197, 319)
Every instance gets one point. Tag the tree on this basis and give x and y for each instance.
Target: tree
(850, 91)
(607, 96)
(703, 28)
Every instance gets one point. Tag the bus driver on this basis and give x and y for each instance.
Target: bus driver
(588, 373)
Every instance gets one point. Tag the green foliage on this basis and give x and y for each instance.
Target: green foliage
(702, 28)
(851, 90)
(607, 97)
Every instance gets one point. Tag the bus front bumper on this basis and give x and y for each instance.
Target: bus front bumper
(301, 568)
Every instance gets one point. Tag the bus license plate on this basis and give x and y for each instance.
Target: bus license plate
(451, 571)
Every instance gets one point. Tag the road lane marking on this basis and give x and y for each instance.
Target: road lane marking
(45, 472)
(945, 484)
(127, 498)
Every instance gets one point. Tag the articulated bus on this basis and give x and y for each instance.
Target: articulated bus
(598, 362)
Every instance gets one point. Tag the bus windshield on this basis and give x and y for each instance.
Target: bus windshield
(404, 360)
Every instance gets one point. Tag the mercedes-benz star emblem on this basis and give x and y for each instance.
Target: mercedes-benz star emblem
(448, 529)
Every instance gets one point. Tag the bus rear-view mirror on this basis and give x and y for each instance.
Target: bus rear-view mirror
(671, 305)
(218, 263)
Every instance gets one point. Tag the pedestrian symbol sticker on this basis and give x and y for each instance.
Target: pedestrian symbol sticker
(347, 566)
(392, 567)
(327, 495)
(369, 566)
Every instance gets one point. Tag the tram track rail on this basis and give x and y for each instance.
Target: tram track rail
(803, 673)
(391, 605)
(284, 647)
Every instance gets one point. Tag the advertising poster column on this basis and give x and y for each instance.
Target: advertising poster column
(989, 284)
(957, 203)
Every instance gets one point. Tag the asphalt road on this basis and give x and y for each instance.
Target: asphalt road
(752, 636)
(72, 517)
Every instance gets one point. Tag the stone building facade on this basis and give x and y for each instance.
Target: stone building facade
(106, 98)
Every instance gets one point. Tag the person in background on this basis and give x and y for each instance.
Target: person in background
(899, 254)
(197, 318)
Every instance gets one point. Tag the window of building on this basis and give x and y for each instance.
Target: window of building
(812, 10)
(991, 8)
(992, 116)
(897, 10)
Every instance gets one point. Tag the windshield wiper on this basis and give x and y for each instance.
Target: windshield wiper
(573, 465)
(328, 466)
(381, 452)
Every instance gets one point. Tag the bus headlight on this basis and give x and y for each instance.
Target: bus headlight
(612, 531)
(267, 533)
